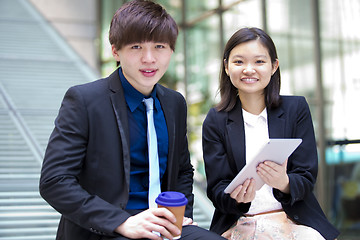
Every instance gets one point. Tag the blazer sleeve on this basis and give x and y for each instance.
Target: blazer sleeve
(303, 163)
(63, 163)
(218, 167)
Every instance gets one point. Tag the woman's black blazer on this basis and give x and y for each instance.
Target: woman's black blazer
(224, 156)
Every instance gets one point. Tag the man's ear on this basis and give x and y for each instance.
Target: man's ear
(115, 53)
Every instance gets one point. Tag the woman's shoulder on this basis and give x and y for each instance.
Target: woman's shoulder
(216, 118)
(294, 105)
(215, 113)
(292, 100)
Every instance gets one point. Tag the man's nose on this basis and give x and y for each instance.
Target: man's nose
(148, 56)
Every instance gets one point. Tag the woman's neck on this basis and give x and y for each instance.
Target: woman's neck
(253, 104)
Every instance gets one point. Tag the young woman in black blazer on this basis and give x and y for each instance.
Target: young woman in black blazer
(251, 111)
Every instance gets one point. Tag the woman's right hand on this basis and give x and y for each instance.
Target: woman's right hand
(244, 193)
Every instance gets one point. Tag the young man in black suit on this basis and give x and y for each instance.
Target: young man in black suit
(96, 168)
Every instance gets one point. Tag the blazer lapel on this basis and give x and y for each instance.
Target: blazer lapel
(168, 110)
(276, 123)
(236, 132)
(119, 105)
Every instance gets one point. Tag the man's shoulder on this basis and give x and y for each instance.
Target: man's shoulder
(89, 91)
(99, 83)
(168, 92)
(91, 87)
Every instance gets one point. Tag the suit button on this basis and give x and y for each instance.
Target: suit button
(296, 217)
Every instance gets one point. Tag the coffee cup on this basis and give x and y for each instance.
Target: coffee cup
(175, 202)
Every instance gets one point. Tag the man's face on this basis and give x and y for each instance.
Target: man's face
(143, 64)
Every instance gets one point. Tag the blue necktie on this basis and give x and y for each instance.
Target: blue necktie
(154, 172)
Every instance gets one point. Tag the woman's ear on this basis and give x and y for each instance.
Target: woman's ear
(226, 66)
(275, 66)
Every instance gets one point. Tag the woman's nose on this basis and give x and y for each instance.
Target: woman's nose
(248, 69)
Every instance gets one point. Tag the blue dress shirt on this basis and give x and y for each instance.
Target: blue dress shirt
(139, 165)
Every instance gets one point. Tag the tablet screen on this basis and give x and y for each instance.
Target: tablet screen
(276, 150)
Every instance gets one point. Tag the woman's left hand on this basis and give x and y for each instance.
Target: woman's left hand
(274, 175)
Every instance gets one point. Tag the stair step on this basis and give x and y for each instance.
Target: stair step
(22, 231)
(12, 170)
(18, 176)
(32, 237)
(4, 194)
(21, 201)
(28, 223)
(28, 215)
(20, 185)
(19, 163)
(28, 157)
(25, 208)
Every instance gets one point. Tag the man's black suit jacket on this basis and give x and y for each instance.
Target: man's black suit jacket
(86, 170)
(224, 156)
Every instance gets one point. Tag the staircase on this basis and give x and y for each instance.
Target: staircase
(36, 68)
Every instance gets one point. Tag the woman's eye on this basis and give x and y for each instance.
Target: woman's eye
(260, 61)
(238, 62)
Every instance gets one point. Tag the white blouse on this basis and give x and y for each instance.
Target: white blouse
(256, 134)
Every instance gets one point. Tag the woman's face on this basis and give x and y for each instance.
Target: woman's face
(250, 68)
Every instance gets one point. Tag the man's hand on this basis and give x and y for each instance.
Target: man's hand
(189, 221)
(274, 175)
(142, 225)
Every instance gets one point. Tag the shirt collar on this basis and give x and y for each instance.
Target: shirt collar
(253, 119)
(132, 96)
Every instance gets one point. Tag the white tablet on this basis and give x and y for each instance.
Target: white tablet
(276, 150)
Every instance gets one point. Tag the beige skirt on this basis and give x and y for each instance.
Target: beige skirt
(270, 226)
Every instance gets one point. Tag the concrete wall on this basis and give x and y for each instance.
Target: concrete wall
(77, 22)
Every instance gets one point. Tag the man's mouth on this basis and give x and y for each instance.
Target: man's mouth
(148, 72)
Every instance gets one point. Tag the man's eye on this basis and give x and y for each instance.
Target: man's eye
(135, 47)
(160, 46)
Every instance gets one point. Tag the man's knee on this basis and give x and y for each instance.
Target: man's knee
(191, 232)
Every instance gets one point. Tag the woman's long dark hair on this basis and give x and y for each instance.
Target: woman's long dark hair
(228, 92)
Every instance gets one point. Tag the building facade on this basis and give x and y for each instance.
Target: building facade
(318, 44)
